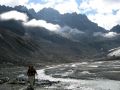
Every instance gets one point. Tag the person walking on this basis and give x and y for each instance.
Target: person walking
(31, 76)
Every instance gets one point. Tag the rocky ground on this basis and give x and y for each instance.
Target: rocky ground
(101, 75)
(87, 70)
(15, 78)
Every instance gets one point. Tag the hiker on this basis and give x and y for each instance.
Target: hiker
(31, 76)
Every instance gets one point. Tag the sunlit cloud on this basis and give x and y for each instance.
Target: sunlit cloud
(110, 34)
(106, 35)
(24, 18)
(101, 6)
(106, 21)
(63, 6)
(68, 6)
(106, 12)
(13, 3)
(14, 15)
(42, 23)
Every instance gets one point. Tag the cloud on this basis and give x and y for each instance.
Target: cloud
(63, 6)
(42, 23)
(68, 6)
(24, 18)
(106, 12)
(107, 21)
(110, 34)
(13, 3)
(101, 6)
(70, 33)
(106, 35)
(112, 1)
(14, 15)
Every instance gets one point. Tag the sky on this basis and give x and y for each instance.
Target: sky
(106, 13)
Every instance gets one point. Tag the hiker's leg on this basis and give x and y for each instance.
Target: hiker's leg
(31, 81)
(34, 80)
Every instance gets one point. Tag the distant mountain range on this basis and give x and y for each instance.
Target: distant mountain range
(78, 38)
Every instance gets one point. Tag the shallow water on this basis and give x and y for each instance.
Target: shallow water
(80, 84)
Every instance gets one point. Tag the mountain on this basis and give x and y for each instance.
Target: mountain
(116, 29)
(14, 46)
(75, 41)
(56, 48)
(73, 20)
(13, 26)
(81, 22)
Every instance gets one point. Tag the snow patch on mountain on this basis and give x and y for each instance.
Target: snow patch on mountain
(115, 52)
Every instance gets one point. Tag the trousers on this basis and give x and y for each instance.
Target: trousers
(31, 80)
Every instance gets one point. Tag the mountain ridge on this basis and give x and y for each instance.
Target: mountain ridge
(35, 44)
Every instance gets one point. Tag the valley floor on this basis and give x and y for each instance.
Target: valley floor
(101, 75)
(77, 76)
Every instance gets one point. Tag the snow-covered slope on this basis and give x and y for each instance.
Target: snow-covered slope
(114, 52)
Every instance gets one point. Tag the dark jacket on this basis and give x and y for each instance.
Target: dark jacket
(31, 72)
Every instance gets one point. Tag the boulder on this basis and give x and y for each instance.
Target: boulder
(46, 82)
(20, 79)
(4, 80)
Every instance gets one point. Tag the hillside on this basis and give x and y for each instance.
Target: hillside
(77, 39)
